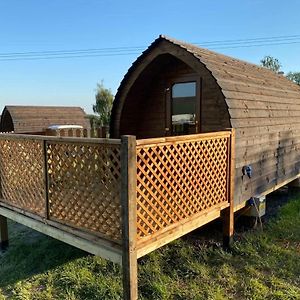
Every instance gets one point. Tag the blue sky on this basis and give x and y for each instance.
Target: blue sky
(43, 25)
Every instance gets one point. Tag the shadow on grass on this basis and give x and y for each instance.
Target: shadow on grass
(32, 253)
(262, 265)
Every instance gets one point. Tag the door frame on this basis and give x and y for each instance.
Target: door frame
(168, 101)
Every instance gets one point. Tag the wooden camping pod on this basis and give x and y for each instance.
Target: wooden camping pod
(263, 107)
(36, 119)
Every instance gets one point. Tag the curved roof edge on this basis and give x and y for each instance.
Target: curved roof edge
(238, 80)
(37, 118)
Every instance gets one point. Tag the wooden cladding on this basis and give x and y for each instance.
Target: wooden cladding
(262, 106)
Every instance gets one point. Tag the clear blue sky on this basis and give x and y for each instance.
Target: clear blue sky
(43, 25)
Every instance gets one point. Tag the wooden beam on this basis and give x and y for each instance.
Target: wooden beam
(101, 248)
(182, 138)
(3, 233)
(46, 179)
(155, 241)
(240, 206)
(59, 139)
(129, 217)
(228, 213)
(294, 187)
(243, 204)
(82, 232)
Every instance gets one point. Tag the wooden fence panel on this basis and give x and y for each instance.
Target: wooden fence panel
(84, 186)
(21, 173)
(180, 177)
(130, 197)
(75, 181)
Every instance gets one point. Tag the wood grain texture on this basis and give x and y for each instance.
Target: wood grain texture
(96, 247)
(263, 107)
(21, 173)
(177, 230)
(178, 177)
(74, 181)
(129, 217)
(85, 185)
(228, 213)
(36, 119)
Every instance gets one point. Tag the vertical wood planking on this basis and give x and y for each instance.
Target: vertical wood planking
(46, 179)
(228, 213)
(129, 217)
(200, 104)
(3, 233)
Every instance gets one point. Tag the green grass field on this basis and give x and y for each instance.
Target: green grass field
(263, 264)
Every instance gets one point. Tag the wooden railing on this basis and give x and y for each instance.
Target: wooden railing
(179, 179)
(75, 182)
(99, 132)
(121, 198)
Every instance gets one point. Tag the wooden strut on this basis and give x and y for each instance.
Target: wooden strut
(3, 233)
(228, 213)
(73, 237)
(129, 217)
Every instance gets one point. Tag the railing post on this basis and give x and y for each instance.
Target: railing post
(46, 178)
(129, 218)
(228, 213)
(3, 233)
(3, 226)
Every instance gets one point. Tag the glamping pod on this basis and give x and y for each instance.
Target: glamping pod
(175, 88)
(36, 119)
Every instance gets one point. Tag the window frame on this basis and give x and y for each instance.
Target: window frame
(169, 99)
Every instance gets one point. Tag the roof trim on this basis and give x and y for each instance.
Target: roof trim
(135, 65)
(235, 77)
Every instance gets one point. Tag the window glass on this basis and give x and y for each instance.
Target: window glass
(186, 89)
(184, 108)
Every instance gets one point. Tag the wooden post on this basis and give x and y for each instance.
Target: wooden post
(228, 213)
(3, 233)
(46, 179)
(129, 218)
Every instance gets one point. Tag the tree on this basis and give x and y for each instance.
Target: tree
(294, 76)
(94, 120)
(271, 63)
(103, 106)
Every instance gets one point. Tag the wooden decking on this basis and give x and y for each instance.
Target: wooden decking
(119, 199)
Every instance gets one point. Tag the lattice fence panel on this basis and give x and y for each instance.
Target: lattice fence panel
(84, 186)
(178, 180)
(21, 175)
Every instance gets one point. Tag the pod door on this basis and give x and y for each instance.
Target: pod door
(183, 107)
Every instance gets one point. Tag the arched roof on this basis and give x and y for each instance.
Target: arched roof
(250, 91)
(33, 119)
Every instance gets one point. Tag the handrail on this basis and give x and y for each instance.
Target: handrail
(182, 138)
(13, 136)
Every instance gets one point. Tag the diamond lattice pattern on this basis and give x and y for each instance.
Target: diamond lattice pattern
(21, 175)
(178, 180)
(84, 186)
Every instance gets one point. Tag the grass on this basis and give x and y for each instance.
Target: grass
(262, 265)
